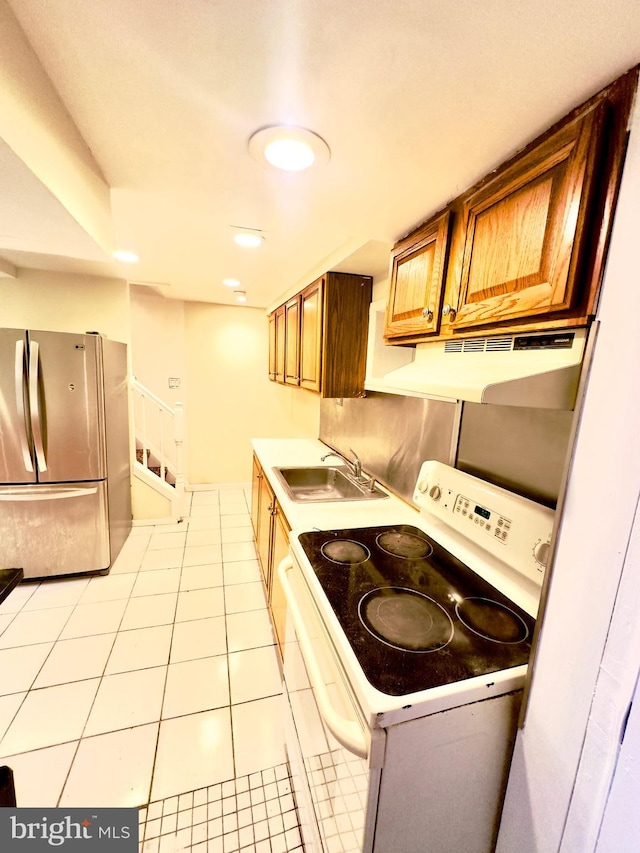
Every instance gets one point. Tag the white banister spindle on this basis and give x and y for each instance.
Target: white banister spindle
(178, 427)
(145, 432)
(161, 434)
(163, 459)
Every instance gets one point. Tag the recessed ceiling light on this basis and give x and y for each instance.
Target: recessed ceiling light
(126, 256)
(248, 239)
(290, 148)
(231, 282)
(241, 296)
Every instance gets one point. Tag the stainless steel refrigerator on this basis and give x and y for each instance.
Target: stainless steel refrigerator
(65, 490)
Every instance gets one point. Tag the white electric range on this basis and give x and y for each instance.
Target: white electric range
(404, 680)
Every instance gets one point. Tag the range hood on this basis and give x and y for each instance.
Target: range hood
(540, 370)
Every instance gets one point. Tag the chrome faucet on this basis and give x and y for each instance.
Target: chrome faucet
(354, 466)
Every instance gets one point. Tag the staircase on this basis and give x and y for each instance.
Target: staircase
(159, 436)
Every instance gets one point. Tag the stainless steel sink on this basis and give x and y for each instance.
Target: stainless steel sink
(324, 483)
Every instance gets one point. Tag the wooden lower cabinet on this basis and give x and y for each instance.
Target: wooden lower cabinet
(256, 479)
(265, 511)
(271, 532)
(277, 601)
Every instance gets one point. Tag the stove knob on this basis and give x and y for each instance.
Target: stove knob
(423, 486)
(541, 553)
(435, 493)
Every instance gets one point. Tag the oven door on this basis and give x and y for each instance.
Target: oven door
(335, 758)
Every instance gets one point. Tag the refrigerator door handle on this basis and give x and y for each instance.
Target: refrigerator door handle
(45, 493)
(19, 385)
(34, 404)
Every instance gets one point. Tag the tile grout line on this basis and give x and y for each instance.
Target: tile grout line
(106, 663)
(166, 677)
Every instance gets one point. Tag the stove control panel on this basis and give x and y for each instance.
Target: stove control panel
(513, 528)
(491, 523)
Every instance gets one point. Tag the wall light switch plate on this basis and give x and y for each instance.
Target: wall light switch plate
(174, 382)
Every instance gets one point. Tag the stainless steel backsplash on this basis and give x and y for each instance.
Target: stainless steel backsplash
(521, 449)
(391, 434)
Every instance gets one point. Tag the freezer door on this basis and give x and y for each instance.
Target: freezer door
(16, 456)
(66, 405)
(52, 530)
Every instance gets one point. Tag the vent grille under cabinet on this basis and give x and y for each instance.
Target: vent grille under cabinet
(475, 345)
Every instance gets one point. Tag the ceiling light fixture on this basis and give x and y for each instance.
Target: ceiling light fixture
(241, 295)
(231, 282)
(290, 148)
(126, 256)
(248, 239)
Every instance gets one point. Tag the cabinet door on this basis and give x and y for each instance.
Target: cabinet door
(266, 509)
(278, 331)
(311, 336)
(418, 271)
(278, 603)
(272, 346)
(524, 230)
(292, 341)
(256, 477)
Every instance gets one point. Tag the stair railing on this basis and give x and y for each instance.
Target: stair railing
(159, 428)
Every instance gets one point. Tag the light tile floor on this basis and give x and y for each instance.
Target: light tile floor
(159, 681)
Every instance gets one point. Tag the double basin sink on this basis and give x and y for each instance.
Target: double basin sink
(322, 483)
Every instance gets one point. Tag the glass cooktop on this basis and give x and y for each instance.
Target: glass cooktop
(414, 615)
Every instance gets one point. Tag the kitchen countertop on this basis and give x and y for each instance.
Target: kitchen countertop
(282, 453)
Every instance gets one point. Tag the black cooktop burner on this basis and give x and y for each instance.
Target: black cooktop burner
(414, 615)
(345, 551)
(492, 620)
(405, 545)
(405, 619)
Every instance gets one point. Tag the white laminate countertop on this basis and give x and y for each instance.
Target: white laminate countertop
(284, 452)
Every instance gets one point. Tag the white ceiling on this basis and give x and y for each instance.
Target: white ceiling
(417, 99)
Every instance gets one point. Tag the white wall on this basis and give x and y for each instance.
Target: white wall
(230, 399)
(61, 302)
(561, 769)
(220, 355)
(157, 344)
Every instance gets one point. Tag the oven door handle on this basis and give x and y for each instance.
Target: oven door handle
(346, 732)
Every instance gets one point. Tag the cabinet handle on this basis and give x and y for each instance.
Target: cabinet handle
(427, 314)
(449, 311)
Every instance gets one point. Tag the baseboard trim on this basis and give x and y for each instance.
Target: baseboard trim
(216, 487)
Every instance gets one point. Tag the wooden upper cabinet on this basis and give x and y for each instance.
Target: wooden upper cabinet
(273, 346)
(276, 343)
(527, 244)
(418, 270)
(292, 341)
(311, 305)
(525, 229)
(326, 328)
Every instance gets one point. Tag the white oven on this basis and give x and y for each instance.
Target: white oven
(406, 655)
